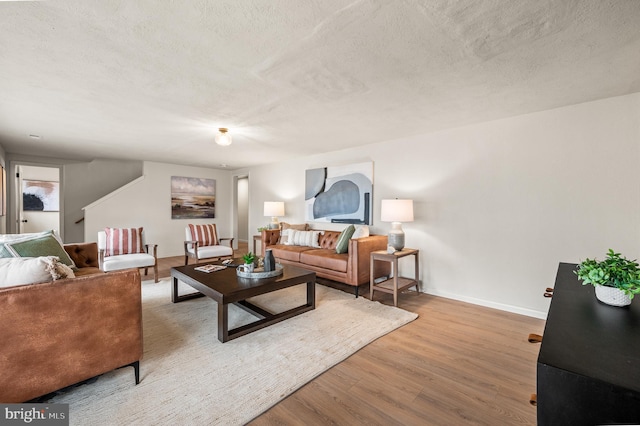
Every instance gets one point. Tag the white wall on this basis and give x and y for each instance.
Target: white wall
(3, 219)
(89, 181)
(498, 204)
(147, 203)
(243, 209)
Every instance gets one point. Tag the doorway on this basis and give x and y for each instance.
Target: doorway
(37, 195)
(242, 208)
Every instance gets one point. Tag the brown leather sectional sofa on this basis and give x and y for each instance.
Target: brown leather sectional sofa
(351, 268)
(59, 333)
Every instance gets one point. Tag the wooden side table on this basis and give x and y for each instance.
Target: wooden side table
(396, 283)
(256, 238)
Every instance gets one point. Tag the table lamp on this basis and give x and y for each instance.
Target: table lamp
(396, 211)
(274, 209)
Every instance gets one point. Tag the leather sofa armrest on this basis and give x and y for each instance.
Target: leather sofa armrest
(269, 238)
(360, 258)
(84, 255)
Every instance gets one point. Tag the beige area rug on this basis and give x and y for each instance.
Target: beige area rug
(189, 377)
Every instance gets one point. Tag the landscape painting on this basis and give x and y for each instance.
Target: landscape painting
(40, 195)
(193, 198)
(339, 194)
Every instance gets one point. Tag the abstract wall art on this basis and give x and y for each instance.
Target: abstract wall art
(193, 198)
(339, 194)
(40, 195)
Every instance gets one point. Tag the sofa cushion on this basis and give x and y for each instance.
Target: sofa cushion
(126, 261)
(326, 259)
(31, 270)
(123, 241)
(212, 251)
(42, 246)
(290, 253)
(304, 238)
(205, 235)
(342, 246)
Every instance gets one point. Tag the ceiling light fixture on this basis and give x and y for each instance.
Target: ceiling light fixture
(223, 137)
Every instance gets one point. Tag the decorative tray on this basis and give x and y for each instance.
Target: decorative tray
(260, 273)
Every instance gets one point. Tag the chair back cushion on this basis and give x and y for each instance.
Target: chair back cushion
(123, 241)
(205, 235)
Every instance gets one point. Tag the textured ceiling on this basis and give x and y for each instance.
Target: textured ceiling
(152, 80)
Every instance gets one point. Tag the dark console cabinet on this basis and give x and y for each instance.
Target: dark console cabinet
(589, 361)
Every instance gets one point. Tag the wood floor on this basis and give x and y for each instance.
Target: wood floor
(456, 364)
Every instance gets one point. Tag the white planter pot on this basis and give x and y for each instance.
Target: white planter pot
(612, 296)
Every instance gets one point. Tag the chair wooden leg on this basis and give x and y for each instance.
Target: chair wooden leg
(534, 338)
(155, 272)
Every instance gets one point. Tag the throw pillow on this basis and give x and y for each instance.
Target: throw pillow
(205, 235)
(43, 246)
(284, 236)
(342, 246)
(28, 270)
(361, 232)
(304, 238)
(123, 241)
(300, 227)
(11, 238)
(63, 271)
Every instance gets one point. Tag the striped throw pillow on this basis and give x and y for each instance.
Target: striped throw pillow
(205, 235)
(304, 238)
(123, 241)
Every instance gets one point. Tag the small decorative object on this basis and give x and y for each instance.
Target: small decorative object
(258, 273)
(616, 279)
(269, 261)
(249, 258)
(391, 249)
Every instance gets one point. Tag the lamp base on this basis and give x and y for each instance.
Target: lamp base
(396, 236)
(274, 223)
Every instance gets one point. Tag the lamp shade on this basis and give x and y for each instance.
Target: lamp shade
(396, 211)
(274, 208)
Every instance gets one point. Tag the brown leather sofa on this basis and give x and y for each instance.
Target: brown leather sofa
(352, 268)
(59, 333)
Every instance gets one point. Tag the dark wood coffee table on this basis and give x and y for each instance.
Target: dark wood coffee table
(226, 287)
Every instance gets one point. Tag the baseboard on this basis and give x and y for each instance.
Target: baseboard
(490, 304)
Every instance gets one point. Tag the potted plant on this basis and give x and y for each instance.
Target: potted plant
(249, 258)
(616, 279)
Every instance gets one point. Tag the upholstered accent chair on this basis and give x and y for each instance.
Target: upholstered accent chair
(124, 248)
(202, 242)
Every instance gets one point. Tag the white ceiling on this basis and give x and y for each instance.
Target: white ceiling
(152, 80)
